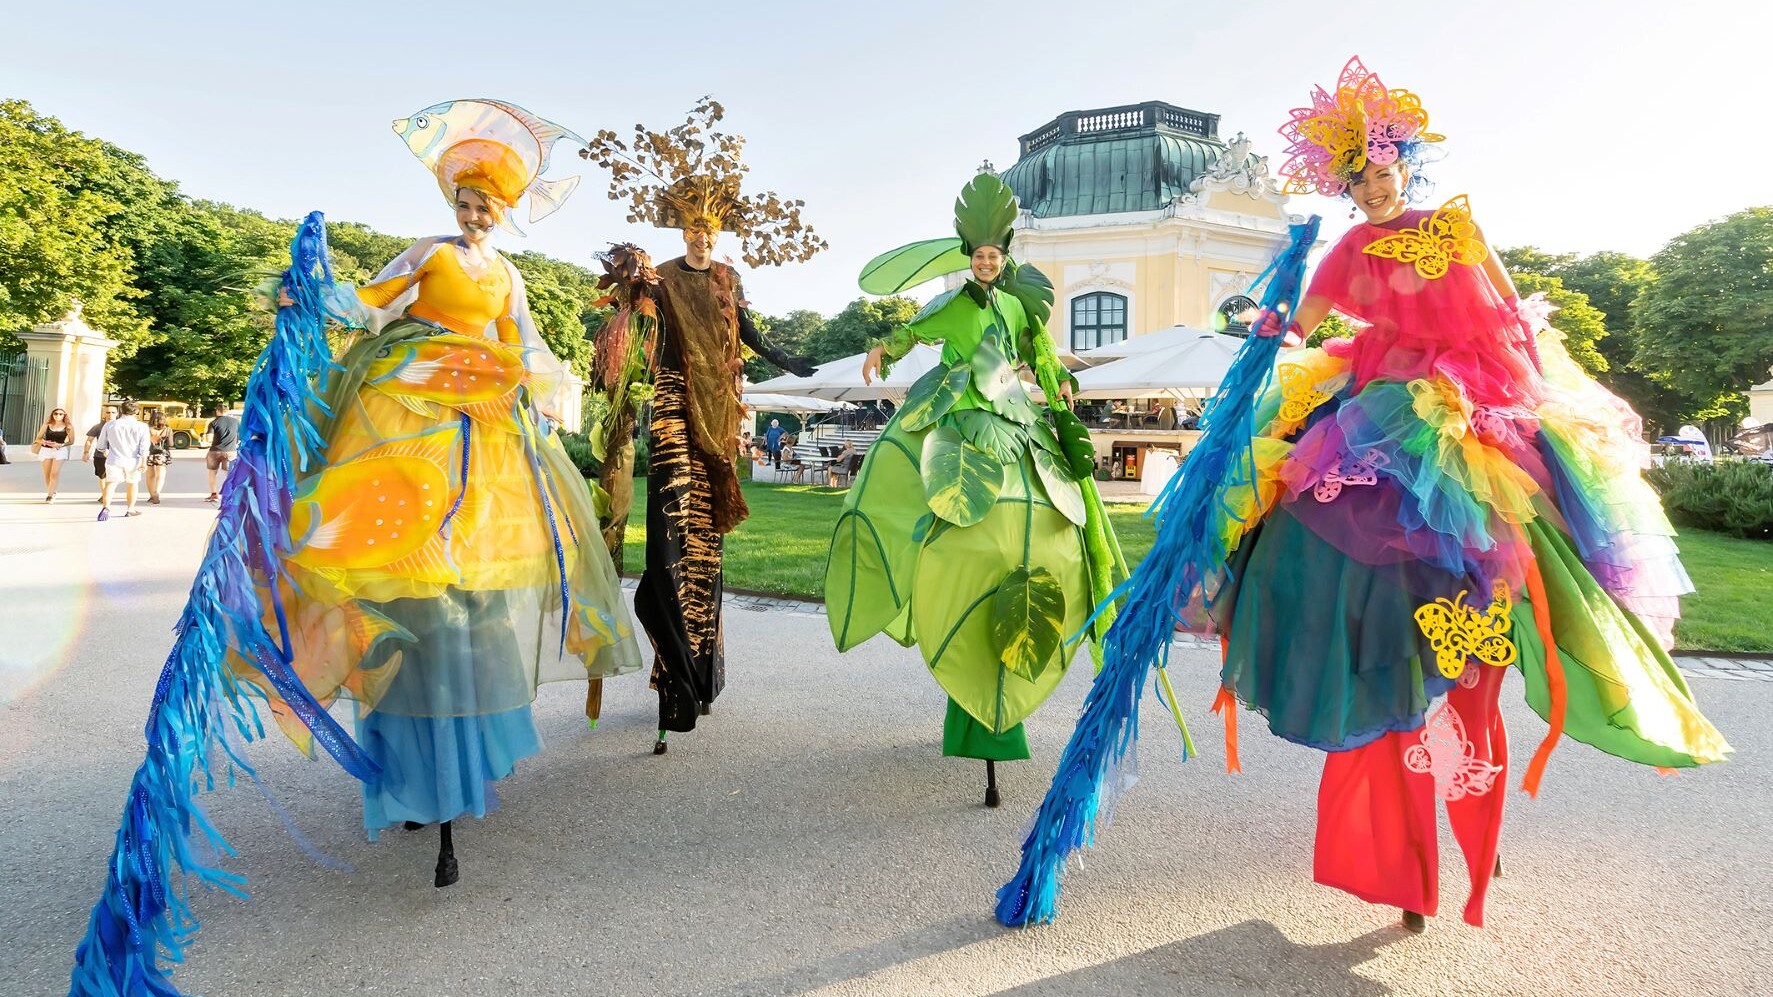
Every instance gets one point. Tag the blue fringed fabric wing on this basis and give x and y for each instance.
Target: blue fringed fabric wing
(1097, 761)
(143, 918)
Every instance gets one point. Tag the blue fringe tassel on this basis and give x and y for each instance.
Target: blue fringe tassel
(144, 917)
(1098, 762)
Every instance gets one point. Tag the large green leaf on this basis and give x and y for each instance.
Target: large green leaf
(990, 433)
(1027, 284)
(1056, 478)
(1044, 437)
(960, 482)
(1017, 407)
(908, 266)
(993, 373)
(936, 304)
(1074, 440)
(985, 212)
(1027, 620)
(933, 395)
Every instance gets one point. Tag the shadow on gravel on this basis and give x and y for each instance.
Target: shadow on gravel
(1248, 958)
(1251, 958)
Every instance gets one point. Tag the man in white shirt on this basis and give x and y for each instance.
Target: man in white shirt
(124, 442)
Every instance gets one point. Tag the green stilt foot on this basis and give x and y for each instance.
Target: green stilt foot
(659, 745)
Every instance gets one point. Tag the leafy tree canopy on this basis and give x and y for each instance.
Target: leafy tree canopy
(1704, 323)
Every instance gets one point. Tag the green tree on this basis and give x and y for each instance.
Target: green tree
(1580, 322)
(1704, 324)
(61, 222)
(360, 252)
(562, 300)
(196, 279)
(1334, 326)
(862, 321)
(1612, 281)
(792, 333)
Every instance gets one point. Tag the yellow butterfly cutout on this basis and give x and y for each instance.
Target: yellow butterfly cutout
(1443, 239)
(1299, 393)
(1457, 631)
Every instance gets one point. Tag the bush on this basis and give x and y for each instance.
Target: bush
(1734, 497)
(578, 447)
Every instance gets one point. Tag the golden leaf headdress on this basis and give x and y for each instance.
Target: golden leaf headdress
(693, 175)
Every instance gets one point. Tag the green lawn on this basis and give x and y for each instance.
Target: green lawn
(781, 548)
(1729, 612)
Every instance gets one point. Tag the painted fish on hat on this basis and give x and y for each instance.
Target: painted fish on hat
(494, 147)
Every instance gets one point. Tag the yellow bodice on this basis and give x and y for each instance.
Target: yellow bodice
(450, 296)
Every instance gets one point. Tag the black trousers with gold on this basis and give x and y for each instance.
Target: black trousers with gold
(678, 600)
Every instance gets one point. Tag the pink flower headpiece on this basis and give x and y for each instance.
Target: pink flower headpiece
(1340, 133)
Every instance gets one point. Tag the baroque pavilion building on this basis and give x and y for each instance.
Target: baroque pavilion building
(1144, 219)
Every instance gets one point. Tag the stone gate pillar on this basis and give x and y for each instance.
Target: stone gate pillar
(76, 355)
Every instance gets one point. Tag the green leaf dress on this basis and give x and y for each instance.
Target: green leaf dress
(964, 533)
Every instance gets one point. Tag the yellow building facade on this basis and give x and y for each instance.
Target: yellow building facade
(1144, 219)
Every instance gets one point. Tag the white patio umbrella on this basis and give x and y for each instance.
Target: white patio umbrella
(764, 401)
(1189, 368)
(1162, 339)
(841, 380)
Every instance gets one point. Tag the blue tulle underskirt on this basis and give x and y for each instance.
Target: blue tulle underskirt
(440, 768)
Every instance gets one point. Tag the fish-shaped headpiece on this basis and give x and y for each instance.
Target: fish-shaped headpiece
(493, 147)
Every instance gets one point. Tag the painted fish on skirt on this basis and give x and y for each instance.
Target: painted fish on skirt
(493, 146)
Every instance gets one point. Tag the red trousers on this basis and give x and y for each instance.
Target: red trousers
(1376, 832)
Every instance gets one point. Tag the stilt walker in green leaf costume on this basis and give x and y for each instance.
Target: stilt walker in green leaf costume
(974, 529)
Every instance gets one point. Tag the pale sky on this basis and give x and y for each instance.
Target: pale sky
(1574, 126)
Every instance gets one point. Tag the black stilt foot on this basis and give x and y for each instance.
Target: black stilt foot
(1415, 923)
(447, 873)
(707, 709)
(992, 798)
(412, 825)
(1496, 873)
(659, 745)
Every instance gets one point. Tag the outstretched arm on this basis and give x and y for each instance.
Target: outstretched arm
(749, 335)
(1496, 271)
(888, 351)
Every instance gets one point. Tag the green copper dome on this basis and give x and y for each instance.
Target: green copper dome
(1134, 158)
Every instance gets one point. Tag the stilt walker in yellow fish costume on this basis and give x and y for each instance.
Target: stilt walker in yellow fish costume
(404, 530)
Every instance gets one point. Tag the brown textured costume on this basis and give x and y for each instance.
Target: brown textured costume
(693, 497)
(688, 178)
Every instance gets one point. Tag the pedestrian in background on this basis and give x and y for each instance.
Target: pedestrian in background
(159, 454)
(124, 442)
(53, 446)
(93, 451)
(224, 441)
(772, 441)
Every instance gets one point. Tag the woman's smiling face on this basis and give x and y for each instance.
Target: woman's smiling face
(1379, 190)
(474, 215)
(987, 263)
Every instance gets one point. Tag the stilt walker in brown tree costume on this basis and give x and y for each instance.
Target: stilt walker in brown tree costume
(678, 340)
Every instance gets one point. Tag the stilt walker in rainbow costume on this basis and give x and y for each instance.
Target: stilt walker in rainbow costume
(1378, 529)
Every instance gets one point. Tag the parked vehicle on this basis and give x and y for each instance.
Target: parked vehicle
(188, 426)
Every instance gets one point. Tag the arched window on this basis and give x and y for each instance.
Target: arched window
(1098, 319)
(1233, 316)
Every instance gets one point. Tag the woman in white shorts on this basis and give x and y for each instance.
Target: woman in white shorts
(53, 446)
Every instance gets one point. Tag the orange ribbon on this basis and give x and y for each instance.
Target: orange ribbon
(1225, 704)
(1554, 679)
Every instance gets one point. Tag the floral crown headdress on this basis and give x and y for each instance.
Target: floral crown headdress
(1361, 122)
(692, 176)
